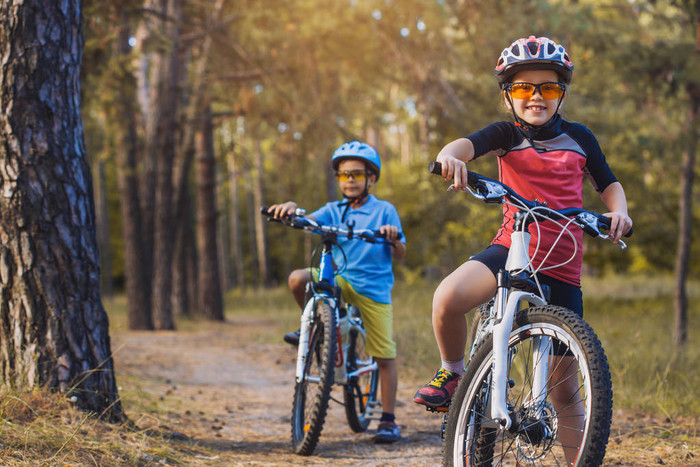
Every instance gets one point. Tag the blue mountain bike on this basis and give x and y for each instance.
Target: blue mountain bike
(331, 344)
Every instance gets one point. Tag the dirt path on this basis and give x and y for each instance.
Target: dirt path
(224, 390)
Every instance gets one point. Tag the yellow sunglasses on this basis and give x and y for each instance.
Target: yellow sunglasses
(357, 175)
(527, 90)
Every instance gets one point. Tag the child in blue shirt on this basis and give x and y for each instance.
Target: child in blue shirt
(367, 278)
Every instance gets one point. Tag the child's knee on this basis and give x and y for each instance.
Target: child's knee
(297, 280)
(444, 301)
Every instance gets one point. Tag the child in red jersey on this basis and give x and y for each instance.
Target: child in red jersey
(541, 156)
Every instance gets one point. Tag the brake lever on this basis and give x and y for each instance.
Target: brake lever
(620, 242)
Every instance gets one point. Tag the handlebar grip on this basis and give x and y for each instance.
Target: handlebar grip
(436, 168)
(606, 223)
(265, 211)
(377, 233)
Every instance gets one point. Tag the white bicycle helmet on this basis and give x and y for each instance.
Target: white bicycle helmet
(533, 53)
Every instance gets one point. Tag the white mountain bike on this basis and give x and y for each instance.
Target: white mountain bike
(503, 411)
(331, 344)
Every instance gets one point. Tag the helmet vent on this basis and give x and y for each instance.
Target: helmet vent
(550, 48)
(515, 50)
(533, 46)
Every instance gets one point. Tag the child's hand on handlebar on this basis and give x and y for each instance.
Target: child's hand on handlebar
(455, 170)
(620, 224)
(284, 210)
(390, 232)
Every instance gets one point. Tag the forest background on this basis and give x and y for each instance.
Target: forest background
(198, 113)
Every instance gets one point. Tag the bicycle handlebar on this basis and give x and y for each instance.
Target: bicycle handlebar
(311, 225)
(493, 191)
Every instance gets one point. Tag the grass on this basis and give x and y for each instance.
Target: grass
(633, 317)
(42, 428)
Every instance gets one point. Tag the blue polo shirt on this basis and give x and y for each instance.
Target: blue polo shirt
(366, 266)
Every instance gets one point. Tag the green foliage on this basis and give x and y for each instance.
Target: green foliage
(297, 78)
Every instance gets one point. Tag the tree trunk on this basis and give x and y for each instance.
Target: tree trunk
(105, 247)
(165, 107)
(236, 242)
(122, 124)
(223, 247)
(181, 301)
(259, 221)
(210, 301)
(53, 327)
(252, 228)
(147, 94)
(680, 331)
(185, 263)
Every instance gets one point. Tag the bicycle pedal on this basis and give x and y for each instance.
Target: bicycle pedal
(438, 409)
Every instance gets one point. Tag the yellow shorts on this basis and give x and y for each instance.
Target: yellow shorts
(377, 318)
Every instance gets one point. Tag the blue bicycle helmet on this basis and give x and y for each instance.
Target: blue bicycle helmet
(357, 150)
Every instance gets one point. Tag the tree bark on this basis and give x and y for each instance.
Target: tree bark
(147, 94)
(252, 230)
(53, 327)
(103, 240)
(258, 219)
(165, 107)
(236, 242)
(680, 325)
(185, 288)
(122, 123)
(210, 301)
(181, 299)
(685, 227)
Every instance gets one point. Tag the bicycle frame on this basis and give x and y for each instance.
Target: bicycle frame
(323, 290)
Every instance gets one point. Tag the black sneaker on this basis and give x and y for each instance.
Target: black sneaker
(292, 337)
(387, 432)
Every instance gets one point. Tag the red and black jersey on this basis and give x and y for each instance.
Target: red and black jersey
(548, 166)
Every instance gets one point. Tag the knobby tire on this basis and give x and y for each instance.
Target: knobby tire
(470, 439)
(360, 393)
(311, 398)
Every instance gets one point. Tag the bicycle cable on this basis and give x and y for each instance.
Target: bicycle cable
(548, 212)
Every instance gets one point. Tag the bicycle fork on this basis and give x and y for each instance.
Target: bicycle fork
(506, 306)
(307, 318)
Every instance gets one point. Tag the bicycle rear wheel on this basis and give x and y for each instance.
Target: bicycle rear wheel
(312, 393)
(360, 392)
(544, 431)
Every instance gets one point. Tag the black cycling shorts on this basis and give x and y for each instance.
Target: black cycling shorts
(562, 294)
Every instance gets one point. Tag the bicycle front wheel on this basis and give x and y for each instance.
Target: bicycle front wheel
(360, 392)
(565, 421)
(313, 392)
